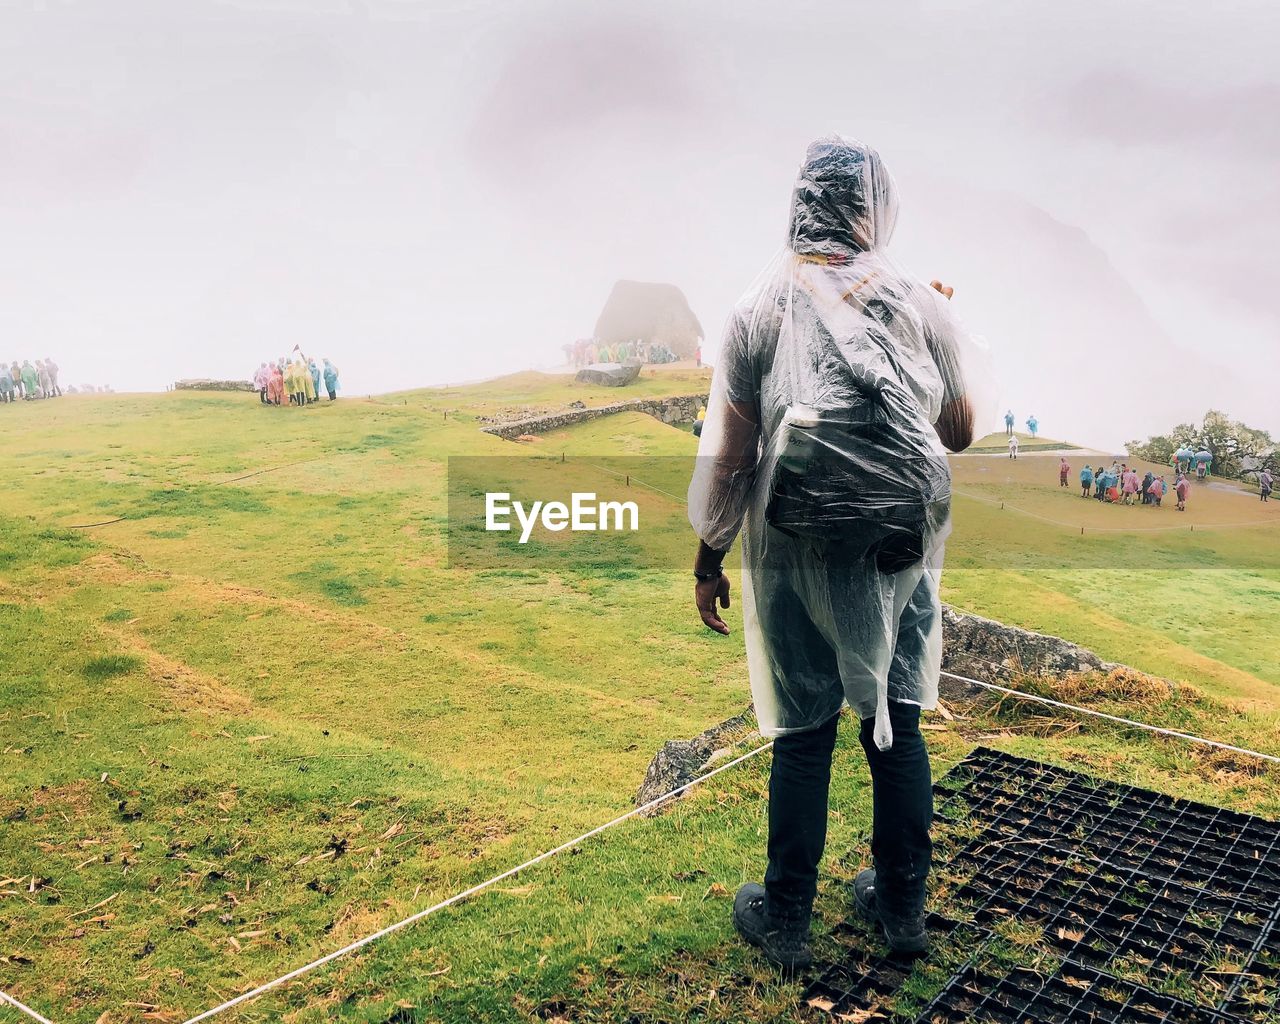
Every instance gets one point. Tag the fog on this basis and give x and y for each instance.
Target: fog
(436, 192)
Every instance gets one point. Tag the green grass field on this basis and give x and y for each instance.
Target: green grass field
(257, 715)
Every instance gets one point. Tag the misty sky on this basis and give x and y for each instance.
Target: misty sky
(431, 192)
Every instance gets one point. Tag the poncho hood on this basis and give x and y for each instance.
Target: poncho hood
(844, 200)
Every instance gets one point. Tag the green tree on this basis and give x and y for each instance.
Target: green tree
(1237, 449)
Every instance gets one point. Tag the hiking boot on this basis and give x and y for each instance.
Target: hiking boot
(782, 936)
(904, 932)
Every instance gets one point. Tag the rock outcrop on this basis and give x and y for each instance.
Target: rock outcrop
(651, 312)
(990, 650)
(971, 646)
(679, 762)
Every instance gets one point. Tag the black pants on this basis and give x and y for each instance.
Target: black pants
(902, 806)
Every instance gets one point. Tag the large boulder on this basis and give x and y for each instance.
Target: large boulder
(609, 375)
(651, 312)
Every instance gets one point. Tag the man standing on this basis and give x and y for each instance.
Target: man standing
(844, 515)
(1264, 482)
(1064, 470)
(1008, 423)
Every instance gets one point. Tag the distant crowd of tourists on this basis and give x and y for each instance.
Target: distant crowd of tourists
(1120, 484)
(29, 382)
(586, 351)
(296, 381)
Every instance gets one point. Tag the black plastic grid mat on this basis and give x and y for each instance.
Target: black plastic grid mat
(1072, 993)
(1136, 883)
(859, 985)
(1128, 886)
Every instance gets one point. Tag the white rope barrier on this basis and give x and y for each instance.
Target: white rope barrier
(5, 998)
(459, 897)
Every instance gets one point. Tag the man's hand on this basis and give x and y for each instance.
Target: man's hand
(705, 595)
(946, 290)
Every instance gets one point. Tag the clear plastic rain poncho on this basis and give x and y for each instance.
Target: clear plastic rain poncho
(820, 438)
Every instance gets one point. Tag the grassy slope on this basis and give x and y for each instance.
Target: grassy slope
(309, 726)
(1194, 596)
(999, 443)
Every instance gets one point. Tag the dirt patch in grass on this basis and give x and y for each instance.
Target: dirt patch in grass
(72, 798)
(118, 568)
(188, 689)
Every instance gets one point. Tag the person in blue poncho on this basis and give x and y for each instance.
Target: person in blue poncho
(1086, 481)
(331, 380)
(1203, 461)
(314, 370)
(1008, 423)
(1033, 425)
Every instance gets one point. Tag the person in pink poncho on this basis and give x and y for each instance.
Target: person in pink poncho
(1131, 487)
(1182, 487)
(261, 380)
(275, 384)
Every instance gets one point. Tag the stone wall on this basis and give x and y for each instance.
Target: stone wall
(202, 384)
(677, 409)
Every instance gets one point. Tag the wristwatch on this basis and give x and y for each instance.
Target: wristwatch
(704, 576)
